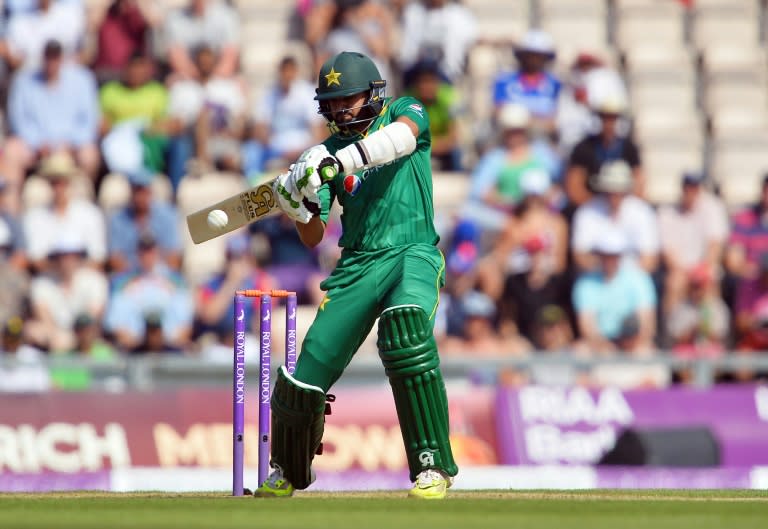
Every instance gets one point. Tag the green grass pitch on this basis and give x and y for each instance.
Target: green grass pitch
(485, 510)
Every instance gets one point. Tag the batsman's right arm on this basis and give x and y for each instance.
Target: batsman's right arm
(311, 233)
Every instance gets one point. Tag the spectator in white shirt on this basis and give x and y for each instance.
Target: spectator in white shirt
(51, 20)
(285, 122)
(440, 30)
(615, 207)
(212, 110)
(209, 23)
(693, 233)
(68, 289)
(66, 215)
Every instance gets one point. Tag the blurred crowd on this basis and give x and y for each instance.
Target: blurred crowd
(556, 250)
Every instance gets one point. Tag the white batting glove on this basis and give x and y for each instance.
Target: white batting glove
(290, 200)
(314, 167)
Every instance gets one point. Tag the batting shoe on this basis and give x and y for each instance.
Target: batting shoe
(430, 484)
(275, 486)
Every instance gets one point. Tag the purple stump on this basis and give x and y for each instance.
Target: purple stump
(290, 333)
(238, 396)
(265, 349)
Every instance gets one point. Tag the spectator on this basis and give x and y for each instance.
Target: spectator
(88, 346)
(212, 109)
(315, 18)
(589, 78)
(143, 215)
(609, 144)
(532, 86)
(66, 217)
(496, 178)
(553, 334)
(134, 119)
(363, 26)
(751, 309)
(214, 305)
(123, 31)
(14, 282)
(615, 304)
(89, 342)
(479, 336)
(439, 30)
(285, 121)
(534, 230)
(526, 294)
(552, 331)
(425, 83)
(21, 370)
(461, 271)
(134, 96)
(151, 291)
(749, 304)
(693, 233)
(155, 340)
(748, 240)
(50, 110)
(220, 125)
(68, 289)
(530, 257)
(753, 337)
(51, 20)
(698, 325)
(203, 23)
(614, 207)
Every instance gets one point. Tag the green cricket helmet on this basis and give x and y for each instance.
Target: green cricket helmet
(346, 74)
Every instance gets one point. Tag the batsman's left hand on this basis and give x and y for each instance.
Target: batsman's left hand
(314, 167)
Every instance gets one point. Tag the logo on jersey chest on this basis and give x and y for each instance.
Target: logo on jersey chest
(353, 182)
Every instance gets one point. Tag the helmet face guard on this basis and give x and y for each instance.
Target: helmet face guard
(368, 111)
(348, 74)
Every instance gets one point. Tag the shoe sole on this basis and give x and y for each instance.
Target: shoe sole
(263, 495)
(417, 497)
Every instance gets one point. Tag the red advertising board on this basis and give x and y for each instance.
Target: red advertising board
(86, 432)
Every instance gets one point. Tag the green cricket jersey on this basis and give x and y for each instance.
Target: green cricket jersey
(389, 205)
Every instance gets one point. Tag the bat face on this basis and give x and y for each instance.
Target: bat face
(241, 209)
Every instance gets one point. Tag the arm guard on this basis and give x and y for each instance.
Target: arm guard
(383, 146)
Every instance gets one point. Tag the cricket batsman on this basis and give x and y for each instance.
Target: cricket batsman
(390, 269)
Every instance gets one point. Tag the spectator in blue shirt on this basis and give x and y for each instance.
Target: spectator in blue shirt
(149, 298)
(532, 85)
(51, 109)
(616, 304)
(143, 215)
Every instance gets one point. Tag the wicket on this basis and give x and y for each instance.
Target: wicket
(238, 375)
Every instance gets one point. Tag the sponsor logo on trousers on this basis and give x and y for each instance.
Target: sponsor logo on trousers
(427, 459)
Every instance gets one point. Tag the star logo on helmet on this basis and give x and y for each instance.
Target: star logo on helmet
(333, 77)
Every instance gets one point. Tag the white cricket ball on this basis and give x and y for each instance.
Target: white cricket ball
(217, 219)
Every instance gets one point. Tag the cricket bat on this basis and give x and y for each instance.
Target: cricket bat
(241, 209)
